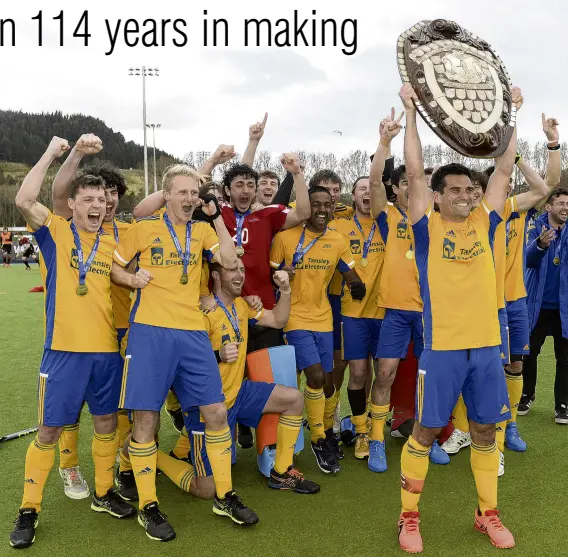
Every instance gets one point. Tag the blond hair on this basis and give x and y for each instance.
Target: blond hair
(181, 170)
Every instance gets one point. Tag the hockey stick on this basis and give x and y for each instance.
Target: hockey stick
(18, 434)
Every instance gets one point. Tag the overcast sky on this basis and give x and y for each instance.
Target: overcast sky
(207, 96)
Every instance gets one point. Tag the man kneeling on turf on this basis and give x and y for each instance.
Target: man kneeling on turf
(227, 325)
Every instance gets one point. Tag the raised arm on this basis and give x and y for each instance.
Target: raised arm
(550, 129)
(498, 184)
(284, 192)
(227, 254)
(149, 205)
(256, 131)
(278, 316)
(538, 190)
(388, 129)
(222, 154)
(26, 198)
(88, 144)
(418, 195)
(302, 211)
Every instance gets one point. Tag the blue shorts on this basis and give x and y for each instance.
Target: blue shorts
(360, 337)
(476, 373)
(120, 336)
(399, 328)
(518, 316)
(246, 410)
(68, 379)
(504, 329)
(335, 302)
(158, 358)
(311, 348)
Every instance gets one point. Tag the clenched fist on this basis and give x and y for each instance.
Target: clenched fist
(141, 279)
(291, 163)
(550, 128)
(517, 97)
(282, 280)
(89, 144)
(254, 302)
(224, 153)
(407, 96)
(57, 147)
(229, 353)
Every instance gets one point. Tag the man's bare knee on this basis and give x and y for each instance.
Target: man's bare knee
(202, 487)
(48, 435)
(105, 424)
(214, 416)
(425, 435)
(145, 426)
(482, 434)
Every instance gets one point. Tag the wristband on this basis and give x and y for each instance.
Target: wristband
(553, 148)
(285, 292)
(518, 158)
(218, 356)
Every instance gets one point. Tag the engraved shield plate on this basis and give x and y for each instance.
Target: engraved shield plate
(463, 88)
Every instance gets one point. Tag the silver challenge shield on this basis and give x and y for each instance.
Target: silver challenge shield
(463, 88)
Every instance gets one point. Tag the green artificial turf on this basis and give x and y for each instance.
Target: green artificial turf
(355, 514)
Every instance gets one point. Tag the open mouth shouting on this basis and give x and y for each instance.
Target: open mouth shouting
(320, 219)
(187, 209)
(94, 218)
(366, 203)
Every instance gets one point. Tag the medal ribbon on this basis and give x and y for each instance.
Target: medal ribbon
(301, 251)
(84, 266)
(234, 319)
(367, 242)
(115, 228)
(240, 220)
(184, 256)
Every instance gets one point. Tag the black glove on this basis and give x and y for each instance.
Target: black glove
(358, 290)
(200, 215)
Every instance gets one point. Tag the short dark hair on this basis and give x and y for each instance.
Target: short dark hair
(239, 170)
(318, 189)
(489, 170)
(397, 174)
(85, 181)
(554, 194)
(111, 176)
(270, 175)
(429, 170)
(215, 267)
(438, 182)
(208, 186)
(357, 181)
(481, 177)
(324, 175)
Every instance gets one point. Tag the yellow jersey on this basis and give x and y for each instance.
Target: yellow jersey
(76, 323)
(120, 295)
(515, 253)
(500, 248)
(221, 332)
(457, 280)
(371, 274)
(204, 283)
(399, 281)
(341, 212)
(165, 302)
(310, 309)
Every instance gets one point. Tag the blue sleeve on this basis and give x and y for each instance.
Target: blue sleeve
(535, 255)
(421, 243)
(343, 267)
(383, 225)
(494, 221)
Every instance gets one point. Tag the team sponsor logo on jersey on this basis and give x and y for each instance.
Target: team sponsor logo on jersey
(401, 229)
(157, 240)
(355, 246)
(157, 256)
(225, 339)
(451, 233)
(449, 249)
(326, 246)
(352, 233)
(471, 233)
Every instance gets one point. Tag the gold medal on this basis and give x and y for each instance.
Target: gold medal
(556, 260)
(240, 251)
(409, 254)
(364, 262)
(82, 290)
(184, 278)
